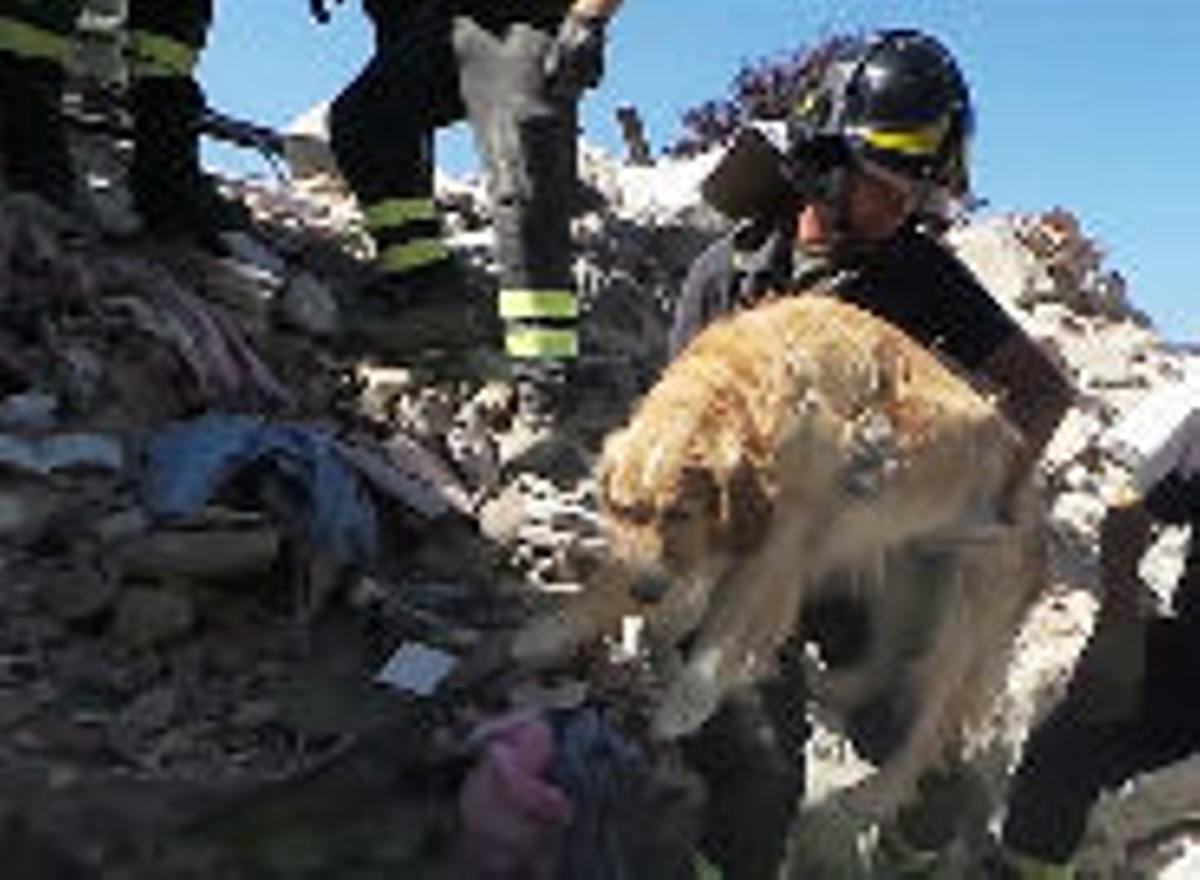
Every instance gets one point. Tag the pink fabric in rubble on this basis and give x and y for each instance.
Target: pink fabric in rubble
(512, 816)
(228, 371)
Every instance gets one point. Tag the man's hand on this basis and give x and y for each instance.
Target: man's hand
(575, 60)
(320, 10)
(1107, 685)
(1109, 676)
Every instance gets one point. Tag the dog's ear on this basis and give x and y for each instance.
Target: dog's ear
(685, 523)
(695, 495)
(604, 466)
(746, 508)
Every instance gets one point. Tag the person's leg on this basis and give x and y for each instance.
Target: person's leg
(34, 41)
(1069, 760)
(528, 142)
(171, 191)
(382, 128)
(751, 757)
(893, 636)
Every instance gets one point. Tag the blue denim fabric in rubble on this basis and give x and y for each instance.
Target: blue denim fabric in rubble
(189, 462)
(600, 772)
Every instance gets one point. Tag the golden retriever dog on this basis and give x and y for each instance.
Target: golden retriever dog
(792, 449)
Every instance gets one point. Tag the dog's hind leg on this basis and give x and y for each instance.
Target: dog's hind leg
(751, 613)
(937, 681)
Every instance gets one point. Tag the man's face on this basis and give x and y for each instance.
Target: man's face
(876, 204)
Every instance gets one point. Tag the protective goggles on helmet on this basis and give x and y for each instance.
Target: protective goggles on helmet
(761, 173)
(898, 101)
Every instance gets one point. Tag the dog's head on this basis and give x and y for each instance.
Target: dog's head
(669, 517)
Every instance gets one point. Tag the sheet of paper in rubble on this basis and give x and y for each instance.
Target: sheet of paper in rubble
(1160, 434)
(416, 668)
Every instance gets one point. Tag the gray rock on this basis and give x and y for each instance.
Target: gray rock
(148, 618)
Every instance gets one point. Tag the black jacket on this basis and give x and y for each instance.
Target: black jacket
(913, 281)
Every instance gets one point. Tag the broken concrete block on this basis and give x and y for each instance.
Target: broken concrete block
(147, 617)
(307, 305)
(213, 554)
(27, 506)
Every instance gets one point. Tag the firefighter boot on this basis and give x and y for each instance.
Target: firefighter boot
(434, 316)
(543, 439)
(33, 139)
(1006, 865)
(543, 394)
(174, 196)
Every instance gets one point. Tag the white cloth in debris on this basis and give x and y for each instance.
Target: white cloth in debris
(1160, 434)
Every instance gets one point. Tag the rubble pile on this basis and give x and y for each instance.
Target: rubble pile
(237, 560)
(1054, 280)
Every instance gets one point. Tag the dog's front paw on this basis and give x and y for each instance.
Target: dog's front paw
(875, 799)
(690, 700)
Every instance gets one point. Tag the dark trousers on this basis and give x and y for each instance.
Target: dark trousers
(431, 68)
(751, 753)
(166, 36)
(1069, 761)
(186, 21)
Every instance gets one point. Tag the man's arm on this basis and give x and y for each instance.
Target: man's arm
(1125, 533)
(575, 60)
(1036, 397)
(603, 9)
(1109, 680)
(319, 9)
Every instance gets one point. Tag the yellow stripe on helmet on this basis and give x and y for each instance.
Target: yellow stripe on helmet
(924, 141)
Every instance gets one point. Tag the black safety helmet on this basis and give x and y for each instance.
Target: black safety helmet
(895, 99)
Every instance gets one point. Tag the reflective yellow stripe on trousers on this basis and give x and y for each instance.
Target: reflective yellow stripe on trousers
(517, 305)
(153, 55)
(541, 342)
(1027, 868)
(396, 213)
(411, 255)
(27, 41)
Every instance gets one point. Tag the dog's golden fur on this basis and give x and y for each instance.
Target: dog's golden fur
(787, 442)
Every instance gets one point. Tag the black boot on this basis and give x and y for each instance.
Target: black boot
(436, 316)
(174, 196)
(33, 139)
(543, 391)
(544, 439)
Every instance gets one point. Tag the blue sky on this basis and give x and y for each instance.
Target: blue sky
(1088, 104)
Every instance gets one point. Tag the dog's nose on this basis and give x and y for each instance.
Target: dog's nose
(649, 588)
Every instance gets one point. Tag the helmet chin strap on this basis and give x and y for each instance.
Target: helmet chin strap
(844, 243)
(838, 195)
(834, 194)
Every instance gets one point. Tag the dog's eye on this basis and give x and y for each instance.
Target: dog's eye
(639, 514)
(677, 514)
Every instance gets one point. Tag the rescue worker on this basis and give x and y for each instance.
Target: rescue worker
(1130, 707)
(516, 70)
(172, 194)
(877, 150)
